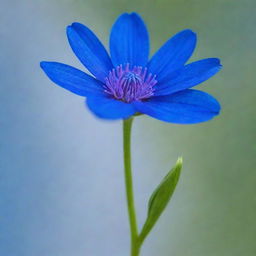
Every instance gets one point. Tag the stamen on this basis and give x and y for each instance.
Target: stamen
(130, 84)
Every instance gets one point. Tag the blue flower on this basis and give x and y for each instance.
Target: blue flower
(129, 83)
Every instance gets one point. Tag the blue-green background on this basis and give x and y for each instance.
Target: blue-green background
(61, 178)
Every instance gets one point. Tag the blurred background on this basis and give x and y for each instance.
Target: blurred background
(61, 178)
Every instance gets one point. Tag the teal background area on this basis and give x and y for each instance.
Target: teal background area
(61, 177)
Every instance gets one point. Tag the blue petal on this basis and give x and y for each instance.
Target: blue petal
(173, 54)
(129, 42)
(188, 76)
(185, 107)
(89, 50)
(109, 108)
(72, 79)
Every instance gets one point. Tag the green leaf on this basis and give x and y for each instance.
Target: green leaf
(160, 198)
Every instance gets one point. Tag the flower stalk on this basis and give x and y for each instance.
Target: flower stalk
(135, 244)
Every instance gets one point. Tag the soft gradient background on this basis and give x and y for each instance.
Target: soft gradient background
(61, 178)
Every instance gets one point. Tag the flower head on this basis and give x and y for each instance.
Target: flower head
(129, 83)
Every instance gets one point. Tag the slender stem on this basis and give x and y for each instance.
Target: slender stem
(135, 245)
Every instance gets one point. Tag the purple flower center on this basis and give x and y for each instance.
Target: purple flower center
(130, 84)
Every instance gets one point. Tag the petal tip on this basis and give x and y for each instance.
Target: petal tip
(218, 110)
(216, 107)
(137, 17)
(131, 15)
(219, 62)
(73, 27)
(189, 31)
(135, 14)
(76, 25)
(68, 29)
(123, 16)
(43, 64)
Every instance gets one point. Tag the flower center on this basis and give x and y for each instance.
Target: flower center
(130, 84)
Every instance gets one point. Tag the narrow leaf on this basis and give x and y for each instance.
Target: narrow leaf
(160, 198)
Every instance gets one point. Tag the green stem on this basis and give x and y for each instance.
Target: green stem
(135, 245)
